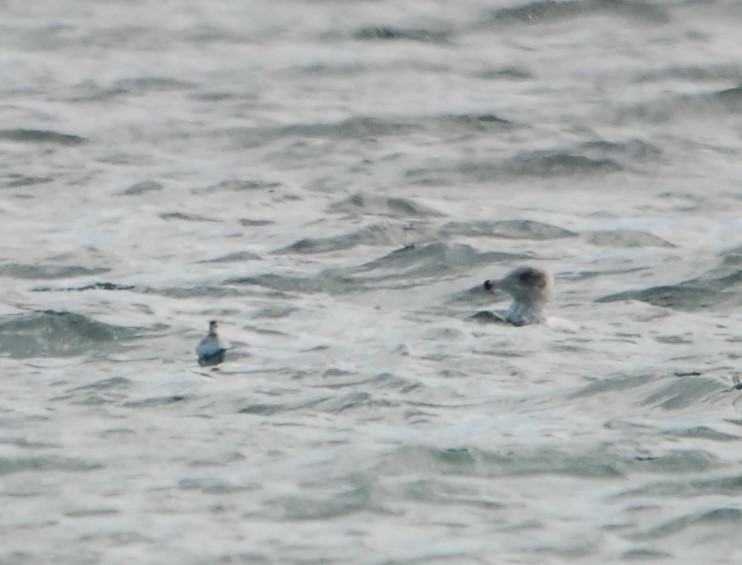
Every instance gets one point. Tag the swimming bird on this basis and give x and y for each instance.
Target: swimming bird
(531, 289)
(211, 349)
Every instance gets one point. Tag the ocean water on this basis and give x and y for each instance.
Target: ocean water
(333, 181)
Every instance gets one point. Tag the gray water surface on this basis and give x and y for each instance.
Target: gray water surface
(333, 181)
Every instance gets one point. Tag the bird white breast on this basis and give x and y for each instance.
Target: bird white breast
(211, 345)
(521, 314)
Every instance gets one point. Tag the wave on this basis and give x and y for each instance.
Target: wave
(547, 11)
(698, 73)
(15, 180)
(626, 238)
(431, 260)
(475, 122)
(9, 465)
(730, 485)
(598, 157)
(603, 461)
(510, 229)
(59, 334)
(21, 271)
(362, 204)
(345, 503)
(351, 128)
(389, 33)
(93, 286)
(186, 217)
(722, 522)
(673, 107)
(237, 256)
(721, 287)
(145, 84)
(239, 185)
(142, 187)
(557, 163)
(376, 234)
(681, 393)
(327, 282)
(192, 291)
(21, 135)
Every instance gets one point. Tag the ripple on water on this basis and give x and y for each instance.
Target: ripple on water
(642, 554)
(332, 404)
(211, 485)
(9, 465)
(703, 432)
(46, 271)
(268, 409)
(613, 384)
(719, 287)
(112, 383)
(668, 393)
(363, 204)
(683, 392)
(604, 461)
(388, 33)
(16, 180)
(479, 122)
(165, 400)
(235, 257)
(546, 11)
(274, 312)
(383, 381)
(41, 136)
(357, 128)
(542, 163)
(376, 234)
(511, 229)
(432, 260)
(718, 486)
(719, 522)
(240, 185)
(475, 462)
(626, 238)
(139, 85)
(327, 282)
(352, 501)
(186, 217)
(101, 285)
(589, 158)
(354, 401)
(193, 291)
(679, 297)
(557, 162)
(447, 491)
(142, 188)
(670, 107)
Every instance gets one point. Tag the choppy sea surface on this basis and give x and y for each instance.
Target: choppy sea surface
(333, 181)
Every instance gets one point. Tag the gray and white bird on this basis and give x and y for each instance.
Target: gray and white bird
(531, 288)
(211, 349)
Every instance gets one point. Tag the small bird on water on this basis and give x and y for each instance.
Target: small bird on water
(531, 289)
(211, 349)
